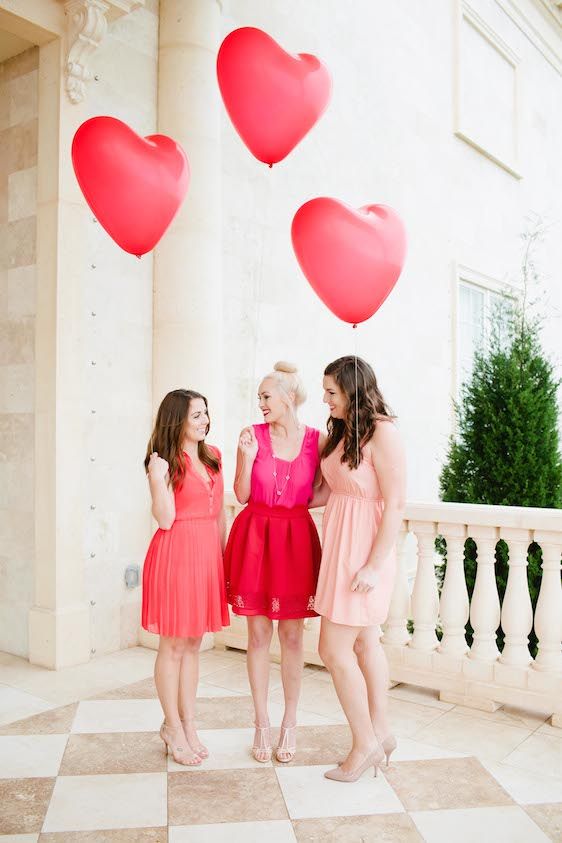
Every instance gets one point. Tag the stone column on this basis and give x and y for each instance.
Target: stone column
(188, 332)
(59, 621)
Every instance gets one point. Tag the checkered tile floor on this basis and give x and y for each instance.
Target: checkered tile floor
(96, 771)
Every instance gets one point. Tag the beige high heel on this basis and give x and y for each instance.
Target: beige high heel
(285, 749)
(373, 759)
(262, 752)
(388, 746)
(201, 750)
(180, 753)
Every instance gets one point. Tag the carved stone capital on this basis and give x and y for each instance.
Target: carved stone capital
(87, 26)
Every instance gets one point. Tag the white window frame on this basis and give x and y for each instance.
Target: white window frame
(466, 276)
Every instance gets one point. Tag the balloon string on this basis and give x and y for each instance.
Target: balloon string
(356, 399)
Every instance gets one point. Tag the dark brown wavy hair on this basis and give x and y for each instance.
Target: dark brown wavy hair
(370, 403)
(167, 436)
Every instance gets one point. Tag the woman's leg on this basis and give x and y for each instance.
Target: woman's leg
(187, 692)
(260, 631)
(290, 637)
(372, 662)
(336, 651)
(167, 678)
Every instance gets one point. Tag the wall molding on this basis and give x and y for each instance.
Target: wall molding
(466, 13)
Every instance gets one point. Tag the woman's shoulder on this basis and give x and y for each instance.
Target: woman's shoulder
(216, 451)
(386, 433)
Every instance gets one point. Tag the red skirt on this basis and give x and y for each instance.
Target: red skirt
(272, 561)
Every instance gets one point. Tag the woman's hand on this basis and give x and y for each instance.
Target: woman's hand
(365, 579)
(157, 467)
(248, 443)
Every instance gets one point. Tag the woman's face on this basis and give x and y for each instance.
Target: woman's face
(197, 421)
(334, 398)
(271, 401)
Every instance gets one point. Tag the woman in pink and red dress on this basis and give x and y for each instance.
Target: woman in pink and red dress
(273, 553)
(183, 593)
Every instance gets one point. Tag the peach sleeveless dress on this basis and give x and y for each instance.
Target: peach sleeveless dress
(351, 519)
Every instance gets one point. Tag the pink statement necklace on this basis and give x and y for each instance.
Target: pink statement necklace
(287, 476)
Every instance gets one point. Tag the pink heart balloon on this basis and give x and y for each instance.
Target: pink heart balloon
(133, 185)
(351, 257)
(273, 98)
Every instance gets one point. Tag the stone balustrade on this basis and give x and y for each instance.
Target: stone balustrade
(478, 676)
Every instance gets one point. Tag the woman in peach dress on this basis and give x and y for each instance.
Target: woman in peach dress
(364, 467)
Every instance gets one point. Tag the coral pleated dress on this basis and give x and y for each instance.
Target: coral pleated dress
(351, 520)
(183, 578)
(273, 553)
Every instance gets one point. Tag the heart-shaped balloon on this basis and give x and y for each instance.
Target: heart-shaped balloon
(133, 185)
(273, 98)
(351, 257)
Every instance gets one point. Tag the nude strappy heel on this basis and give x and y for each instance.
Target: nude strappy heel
(180, 753)
(201, 750)
(286, 750)
(262, 751)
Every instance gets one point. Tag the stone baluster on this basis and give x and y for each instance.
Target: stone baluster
(453, 609)
(425, 598)
(517, 613)
(485, 603)
(548, 612)
(395, 628)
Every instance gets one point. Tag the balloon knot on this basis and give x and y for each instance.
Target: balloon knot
(270, 166)
(139, 256)
(355, 325)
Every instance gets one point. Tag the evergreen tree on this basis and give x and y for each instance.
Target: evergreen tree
(506, 450)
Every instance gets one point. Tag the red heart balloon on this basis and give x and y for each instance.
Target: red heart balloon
(351, 257)
(133, 185)
(273, 98)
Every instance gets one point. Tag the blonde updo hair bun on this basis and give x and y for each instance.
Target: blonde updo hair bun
(286, 375)
(283, 366)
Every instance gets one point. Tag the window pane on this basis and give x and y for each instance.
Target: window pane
(470, 328)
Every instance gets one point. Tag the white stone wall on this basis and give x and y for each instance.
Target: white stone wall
(118, 338)
(18, 208)
(389, 136)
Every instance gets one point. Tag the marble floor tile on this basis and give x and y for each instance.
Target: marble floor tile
(540, 753)
(445, 783)
(87, 803)
(112, 835)
(19, 838)
(216, 796)
(512, 715)
(525, 787)
(145, 689)
(204, 690)
(274, 831)
(548, 818)
(409, 749)
(408, 718)
(23, 804)
(508, 824)
(55, 721)
(16, 704)
(384, 828)
(235, 677)
(318, 745)
(229, 749)
(421, 696)
(304, 718)
(308, 793)
(125, 752)
(31, 756)
(472, 735)
(96, 716)
(316, 696)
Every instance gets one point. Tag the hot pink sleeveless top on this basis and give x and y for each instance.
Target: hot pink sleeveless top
(295, 491)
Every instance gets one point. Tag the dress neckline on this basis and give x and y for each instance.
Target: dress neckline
(289, 462)
(211, 477)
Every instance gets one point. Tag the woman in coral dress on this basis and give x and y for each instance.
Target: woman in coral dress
(273, 551)
(183, 578)
(363, 465)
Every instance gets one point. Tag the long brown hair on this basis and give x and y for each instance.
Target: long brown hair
(168, 432)
(370, 404)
